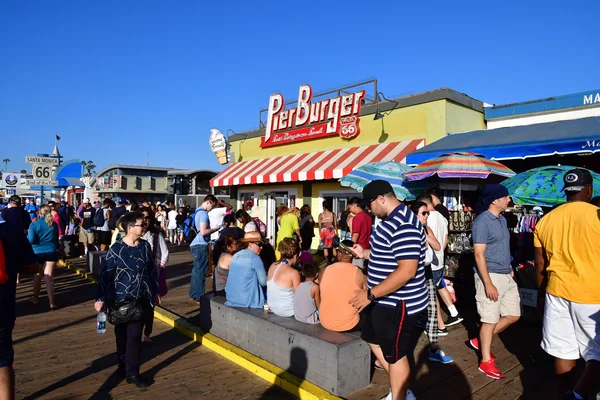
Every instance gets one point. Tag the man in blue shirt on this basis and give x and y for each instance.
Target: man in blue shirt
(32, 209)
(199, 247)
(247, 274)
(496, 292)
(396, 284)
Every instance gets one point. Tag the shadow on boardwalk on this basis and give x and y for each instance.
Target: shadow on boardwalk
(162, 343)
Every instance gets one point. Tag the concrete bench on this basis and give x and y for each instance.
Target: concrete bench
(336, 362)
(95, 260)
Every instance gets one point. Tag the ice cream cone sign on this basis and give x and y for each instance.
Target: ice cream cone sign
(218, 145)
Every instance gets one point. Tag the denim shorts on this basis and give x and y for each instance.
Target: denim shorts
(438, 277)
(7, 353)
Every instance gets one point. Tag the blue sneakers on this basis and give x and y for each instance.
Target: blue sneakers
(440, 356)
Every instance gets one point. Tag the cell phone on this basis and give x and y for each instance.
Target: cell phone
(348, 249)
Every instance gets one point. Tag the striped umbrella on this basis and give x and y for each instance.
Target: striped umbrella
(458, 165)
(390, 171)
(543, 186)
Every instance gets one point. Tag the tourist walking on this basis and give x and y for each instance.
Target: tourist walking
(248, 223)
(172, 225)
(160, 255)
(497, 294)
(289, 226)
(86, 231)
(566, 258)
(15, 214)
(307, 227)
(43, 236)
(421, 210)
(362, 225)
(328, 232)
(438, 225)
(161, 219)
(396, 292)
(129, 281)
(199, 248)
(18, 258)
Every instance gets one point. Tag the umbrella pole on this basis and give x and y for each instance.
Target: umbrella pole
(460, 192)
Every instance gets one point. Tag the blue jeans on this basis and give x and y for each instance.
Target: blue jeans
(199, 271)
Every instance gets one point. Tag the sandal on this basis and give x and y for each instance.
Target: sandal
(34, 300)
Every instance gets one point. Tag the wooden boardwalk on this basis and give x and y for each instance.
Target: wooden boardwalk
(60, 356)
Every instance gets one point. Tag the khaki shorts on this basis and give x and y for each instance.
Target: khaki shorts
(509, 301)
(86, 237)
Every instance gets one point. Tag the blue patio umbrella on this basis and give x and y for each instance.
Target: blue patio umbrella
(542, 186)
(390, 171)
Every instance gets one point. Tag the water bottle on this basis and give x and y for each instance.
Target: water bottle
(101, 323)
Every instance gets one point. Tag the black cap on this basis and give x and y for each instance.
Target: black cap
(15, 199)
(576, 179)
(375, 189)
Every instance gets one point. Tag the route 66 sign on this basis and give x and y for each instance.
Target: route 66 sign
(349, 127)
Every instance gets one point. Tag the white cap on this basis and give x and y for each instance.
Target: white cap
(86, 200)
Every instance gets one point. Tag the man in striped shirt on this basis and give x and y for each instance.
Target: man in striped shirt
(396, 293)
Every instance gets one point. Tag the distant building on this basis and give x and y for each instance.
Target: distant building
(134, 182)
(193, 185)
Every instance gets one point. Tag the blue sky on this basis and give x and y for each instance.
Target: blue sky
(119, 79)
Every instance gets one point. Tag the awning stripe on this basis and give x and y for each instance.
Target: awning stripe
(320, 165)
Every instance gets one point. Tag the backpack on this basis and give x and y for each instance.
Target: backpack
(189, 228)
(3, 274)
(262, 228)
(115, 214)
(99, 218)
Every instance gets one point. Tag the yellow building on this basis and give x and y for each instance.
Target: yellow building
(330, 135)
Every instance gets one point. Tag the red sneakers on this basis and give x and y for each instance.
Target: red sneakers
(490, 369)
(475, 344)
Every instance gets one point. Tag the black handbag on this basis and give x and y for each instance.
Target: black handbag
(125, 311)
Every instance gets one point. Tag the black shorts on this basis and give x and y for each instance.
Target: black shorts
(104, 237)
(50, 257)
(391, 328)
(7, 353)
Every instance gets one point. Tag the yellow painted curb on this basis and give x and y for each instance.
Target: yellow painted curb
(267, 371)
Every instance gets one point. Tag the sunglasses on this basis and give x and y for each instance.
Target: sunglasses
(259, 244)
(143, 224)
(425, 213)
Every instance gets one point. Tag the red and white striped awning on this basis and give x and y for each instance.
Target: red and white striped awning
(320, 165)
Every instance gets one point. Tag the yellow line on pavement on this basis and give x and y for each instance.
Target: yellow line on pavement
(267, 371)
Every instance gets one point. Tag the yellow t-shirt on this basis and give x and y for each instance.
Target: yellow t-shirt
(287, 227)
(570, 237)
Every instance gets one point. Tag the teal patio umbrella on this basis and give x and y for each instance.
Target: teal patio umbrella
(542, 186)
(390, 171)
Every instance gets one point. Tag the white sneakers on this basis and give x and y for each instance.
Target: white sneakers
(409, 395)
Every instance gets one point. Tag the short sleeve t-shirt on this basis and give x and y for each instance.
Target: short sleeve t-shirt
(493, 232)
(201, 217)
(362, 224)
(439, 226)
(570, 237)
(87, 217)
(399, 237)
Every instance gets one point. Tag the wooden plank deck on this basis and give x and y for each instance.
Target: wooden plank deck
(59, 355)
(527, 368)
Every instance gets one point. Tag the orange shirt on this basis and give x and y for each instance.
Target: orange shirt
(338, 283)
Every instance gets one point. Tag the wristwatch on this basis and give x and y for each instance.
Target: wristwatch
(370, 295)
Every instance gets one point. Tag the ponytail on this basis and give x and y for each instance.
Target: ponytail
(46, 212)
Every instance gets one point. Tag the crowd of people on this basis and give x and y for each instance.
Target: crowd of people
(383, 275)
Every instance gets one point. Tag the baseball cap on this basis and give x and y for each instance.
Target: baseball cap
(576, 179)
(86, 200)
(63, 203)
(121, 200)
(375, 189)
(15, 199)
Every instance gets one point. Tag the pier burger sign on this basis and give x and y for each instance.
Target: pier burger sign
(307, 121)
